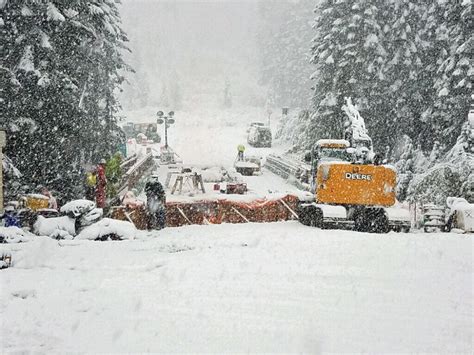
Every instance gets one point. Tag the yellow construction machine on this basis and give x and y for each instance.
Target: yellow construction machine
(349, 191)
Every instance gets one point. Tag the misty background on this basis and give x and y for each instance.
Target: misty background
(186, 52)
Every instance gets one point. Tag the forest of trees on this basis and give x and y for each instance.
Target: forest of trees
(406, 64)
(60, 65)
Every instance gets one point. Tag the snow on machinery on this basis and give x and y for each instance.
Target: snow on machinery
(259, 135)
(250, 165)
(350, 188)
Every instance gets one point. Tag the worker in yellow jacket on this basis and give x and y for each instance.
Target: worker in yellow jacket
(240, 152)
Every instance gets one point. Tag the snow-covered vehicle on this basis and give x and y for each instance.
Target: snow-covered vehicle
(255, 124)
(461, 215)
(259, 136)
(149, 130)
(350, 189)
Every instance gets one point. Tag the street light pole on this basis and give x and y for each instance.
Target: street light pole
(167, 120)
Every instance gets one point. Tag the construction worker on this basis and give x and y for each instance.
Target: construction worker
(91, 182)
(101, 185)
(156, 203)
(52, 203)
(240, 152)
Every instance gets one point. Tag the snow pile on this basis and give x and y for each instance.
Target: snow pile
(14, 235)
(56, 227)
(109, 228)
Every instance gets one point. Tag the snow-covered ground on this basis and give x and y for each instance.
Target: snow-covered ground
(209, 136)
(279, 287)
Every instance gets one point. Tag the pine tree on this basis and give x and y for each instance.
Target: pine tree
(284, 61)
(62, 61)
(348, 53)
(454, 80)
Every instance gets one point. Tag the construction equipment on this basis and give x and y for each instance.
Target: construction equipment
(348, 194)
(248, 166)
(259, 136)
(348, 189)
(239, 188)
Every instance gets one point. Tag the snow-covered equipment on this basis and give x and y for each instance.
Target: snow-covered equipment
(77, 208)
(355, 132)
(55, 227)
(169, 156)
(236, 188)
(461, 215)
(84, 212)
(350, 191)
(192, 181)
(434, 218)
(259, 136)
(250, 165)
(108, 228)
(255, 124)
(34, 201)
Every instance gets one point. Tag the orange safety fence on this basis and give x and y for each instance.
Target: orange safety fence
(227, 211)
(216, 212)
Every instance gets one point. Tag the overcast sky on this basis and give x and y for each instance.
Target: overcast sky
(199, 44)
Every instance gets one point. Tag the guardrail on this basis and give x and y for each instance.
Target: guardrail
(129, 162)
(288, 168)
(282, 166)
(135, 171)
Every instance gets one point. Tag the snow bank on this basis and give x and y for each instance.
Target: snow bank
(106, 227)
(249, 288)
(14, 235)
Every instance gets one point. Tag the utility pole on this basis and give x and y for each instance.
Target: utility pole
(167, 120)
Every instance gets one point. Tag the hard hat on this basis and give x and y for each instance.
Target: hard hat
(102, 161)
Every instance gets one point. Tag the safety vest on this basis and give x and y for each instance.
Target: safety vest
(91, 179)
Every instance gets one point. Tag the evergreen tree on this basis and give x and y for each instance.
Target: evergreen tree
(348, 53)
(284, 62)
(62, 62)
(453, 83)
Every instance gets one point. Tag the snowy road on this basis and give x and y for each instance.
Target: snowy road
(276, 287)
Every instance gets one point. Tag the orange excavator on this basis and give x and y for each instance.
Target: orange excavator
(348, 191)
(350, 186)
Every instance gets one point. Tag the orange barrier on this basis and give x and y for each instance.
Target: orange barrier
(215, 212)
(226, 211)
